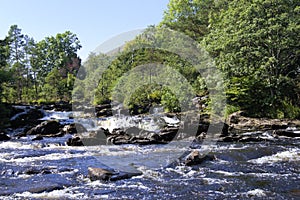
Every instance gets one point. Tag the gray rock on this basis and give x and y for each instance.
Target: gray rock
(109, 175)
(194, 158)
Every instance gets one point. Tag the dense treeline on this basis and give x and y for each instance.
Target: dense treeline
(254, 43)
(38, 72)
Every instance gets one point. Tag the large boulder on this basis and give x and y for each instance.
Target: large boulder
(109, 175)
(238, 123)
(45, 128)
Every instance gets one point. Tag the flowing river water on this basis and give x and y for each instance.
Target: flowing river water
(49, 169)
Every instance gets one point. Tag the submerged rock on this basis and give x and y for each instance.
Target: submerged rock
(109, 175)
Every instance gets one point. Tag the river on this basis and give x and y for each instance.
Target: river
(49, 169)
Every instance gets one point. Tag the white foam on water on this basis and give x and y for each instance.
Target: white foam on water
(185, 171)
(215, 147)
(18, 145)
(52, 156)
(256, 193)
(99, 184)
(169, 120)
(6, 155)
(149, 174)
(291, 155)
(226, 173)
(69, 193)
(272, 175)
(136, 185)
(211, 181)
(52, 115)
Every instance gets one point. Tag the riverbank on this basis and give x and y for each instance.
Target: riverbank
(232, 129)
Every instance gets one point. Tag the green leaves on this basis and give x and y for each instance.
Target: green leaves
(252, 42)
(38, 68)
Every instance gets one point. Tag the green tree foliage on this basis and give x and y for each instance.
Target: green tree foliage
(4, 56)
(17, 59)
(31, 70)
(115, 84)
(191, 16)
(58, 63)
(256, 43)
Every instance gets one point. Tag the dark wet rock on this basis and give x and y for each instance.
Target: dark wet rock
(74, 128)
(238, 123)
(33, 171)
(63, 106)
(104, 113)
(191, 158)
(109, 175)
(76, 141)
(136, 135)
(229, 139)
(201, 136)
(202, 127)
(194, 158)
(257, 136)
(45, 128)
(39, 137)
(168, 134)
(101, 107)
(4, 137)
(95, 138)
(286, 133)
(14, 110)
(250, 139)
(30, 117)
(103, 110)
(59, 106)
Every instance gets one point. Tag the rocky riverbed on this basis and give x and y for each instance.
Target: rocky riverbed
(49, 153)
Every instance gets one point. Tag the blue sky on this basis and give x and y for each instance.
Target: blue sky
(93, 21)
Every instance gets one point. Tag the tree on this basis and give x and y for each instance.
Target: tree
(256, 43)
(191, 16)
(17, 57)
(4, 56)
(57, 57)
